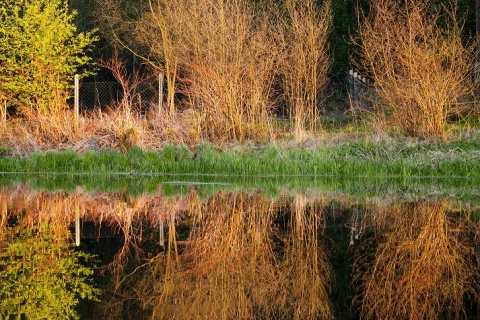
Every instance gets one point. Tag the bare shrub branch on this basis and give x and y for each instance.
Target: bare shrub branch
(420, 69)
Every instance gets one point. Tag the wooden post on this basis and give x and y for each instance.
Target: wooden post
(160, 92)
(77, 99)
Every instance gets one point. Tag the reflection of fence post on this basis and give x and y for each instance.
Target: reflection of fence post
(160, 92)
(77, 99)
(77, 225)
(3, 111)
(162, 234)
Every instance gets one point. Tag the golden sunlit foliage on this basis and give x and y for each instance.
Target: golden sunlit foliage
(41, 50)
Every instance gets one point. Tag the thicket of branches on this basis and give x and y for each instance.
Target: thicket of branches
(231, 67)
(235, 62)
(421, 70)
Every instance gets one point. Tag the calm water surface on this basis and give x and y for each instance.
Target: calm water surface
(238, 255)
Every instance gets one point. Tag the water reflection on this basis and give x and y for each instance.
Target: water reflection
(423, 265)
(241, 261)
(41, 275)
(236, 255)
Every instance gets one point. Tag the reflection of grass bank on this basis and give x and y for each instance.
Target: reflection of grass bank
(455, 158)
(460, 189)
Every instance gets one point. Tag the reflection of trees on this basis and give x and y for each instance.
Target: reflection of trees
(41, 275)
(226, 272)
(305, 263)
(246, 256)
(232, 269)
(422, 266)
(131, 217)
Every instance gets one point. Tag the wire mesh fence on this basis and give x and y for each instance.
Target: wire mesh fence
(99, 95)
(110, 94)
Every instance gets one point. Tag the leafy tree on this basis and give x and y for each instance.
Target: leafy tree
(40, 51)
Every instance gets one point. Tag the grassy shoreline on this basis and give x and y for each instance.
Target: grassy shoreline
(460, 158)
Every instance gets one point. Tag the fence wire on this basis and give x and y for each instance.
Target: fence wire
(94, 95)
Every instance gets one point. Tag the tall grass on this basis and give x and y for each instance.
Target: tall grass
(454, 159)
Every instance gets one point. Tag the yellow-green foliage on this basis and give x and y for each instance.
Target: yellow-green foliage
(40, 51)
(41, 276)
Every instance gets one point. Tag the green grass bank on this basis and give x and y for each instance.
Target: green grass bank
(367, 159)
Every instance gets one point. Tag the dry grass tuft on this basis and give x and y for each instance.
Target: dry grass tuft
(115, 129)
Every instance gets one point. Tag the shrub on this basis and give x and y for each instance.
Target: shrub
(420, 69)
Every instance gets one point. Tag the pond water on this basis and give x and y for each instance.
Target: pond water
(208, 250)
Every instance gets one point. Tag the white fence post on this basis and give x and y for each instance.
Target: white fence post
(77, 226)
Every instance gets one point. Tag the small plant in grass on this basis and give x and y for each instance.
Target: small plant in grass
(420, 69)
